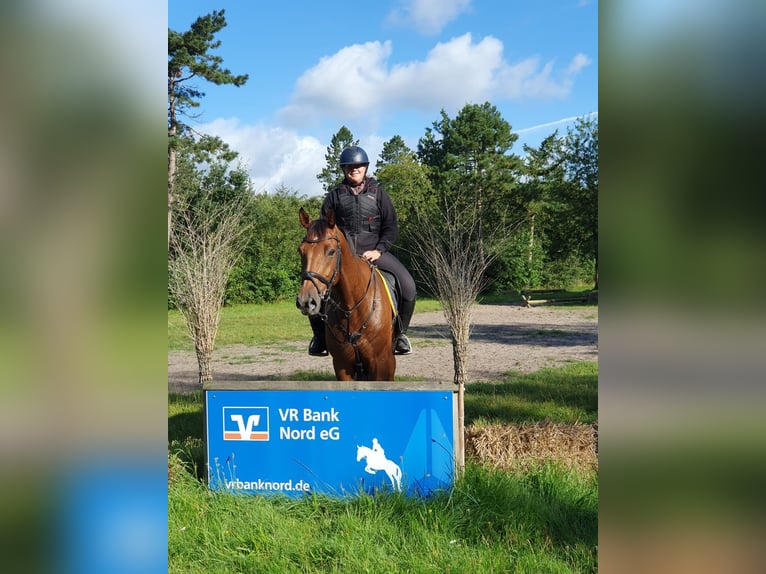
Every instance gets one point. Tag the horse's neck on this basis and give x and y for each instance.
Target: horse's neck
(353, 277)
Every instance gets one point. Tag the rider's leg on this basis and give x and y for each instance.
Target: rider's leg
(408, 294)
(318, 345)
(402, 344)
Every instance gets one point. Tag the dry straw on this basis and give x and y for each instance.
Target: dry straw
(525, 446)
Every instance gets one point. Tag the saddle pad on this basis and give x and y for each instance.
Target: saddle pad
(389, 282)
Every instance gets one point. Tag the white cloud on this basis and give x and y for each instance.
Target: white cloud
(428, 16)
(343, 85)
(452, 74)
(274, 156)
(578, 63)
(358, 81)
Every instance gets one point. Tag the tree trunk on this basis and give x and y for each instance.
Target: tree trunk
(172, 133)
(595, 276)
(171, 181)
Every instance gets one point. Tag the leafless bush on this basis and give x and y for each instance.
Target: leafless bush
(451, 257)
(206, 245)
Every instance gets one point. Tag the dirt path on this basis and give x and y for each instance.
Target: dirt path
(503, 338)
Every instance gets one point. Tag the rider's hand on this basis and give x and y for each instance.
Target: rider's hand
(372, 255)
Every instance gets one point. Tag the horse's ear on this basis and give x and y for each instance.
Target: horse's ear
(330, 218)
(304, 217)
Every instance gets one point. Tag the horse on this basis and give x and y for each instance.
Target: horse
(348, 293)
(375, 462)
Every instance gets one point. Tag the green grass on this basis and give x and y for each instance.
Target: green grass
(564, 395)
(544, 520)
(254, 325)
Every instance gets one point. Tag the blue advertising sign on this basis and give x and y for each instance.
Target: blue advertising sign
(319, 437)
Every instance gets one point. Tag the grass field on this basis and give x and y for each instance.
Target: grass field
(538, 520)
(254, 324)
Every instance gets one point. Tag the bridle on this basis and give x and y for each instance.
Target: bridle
(314, 277)
(349, 337)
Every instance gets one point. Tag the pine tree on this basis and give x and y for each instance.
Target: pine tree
(332, 175)
(190, 57)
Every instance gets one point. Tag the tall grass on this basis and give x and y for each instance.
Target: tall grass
(540, 521)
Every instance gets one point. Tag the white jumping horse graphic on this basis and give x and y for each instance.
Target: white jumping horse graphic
(376, 460)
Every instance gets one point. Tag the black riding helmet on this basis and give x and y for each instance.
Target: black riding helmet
(353, 155)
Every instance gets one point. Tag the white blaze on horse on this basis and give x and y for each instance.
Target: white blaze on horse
(376, 461)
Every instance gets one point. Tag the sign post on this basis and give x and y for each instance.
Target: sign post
(328, 437)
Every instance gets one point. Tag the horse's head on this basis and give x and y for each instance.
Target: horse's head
(360, 452)
(320, 261)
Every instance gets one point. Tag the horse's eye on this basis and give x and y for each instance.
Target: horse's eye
(330, 252)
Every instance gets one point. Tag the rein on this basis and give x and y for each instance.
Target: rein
(350, 338)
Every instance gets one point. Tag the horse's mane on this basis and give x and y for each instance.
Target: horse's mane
(319, 229)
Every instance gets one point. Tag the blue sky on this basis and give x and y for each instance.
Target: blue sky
(387, 68)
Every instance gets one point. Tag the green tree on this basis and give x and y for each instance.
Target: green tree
(470, 167)
(270, 270)
(543, 171)
(581, 146)
(190, 57)
(561, 191)
(394, 151)
(332, 175)
(405, 180)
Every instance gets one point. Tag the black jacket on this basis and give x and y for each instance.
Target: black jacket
(368, 219)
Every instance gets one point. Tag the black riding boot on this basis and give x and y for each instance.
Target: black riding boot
(402, 344)
(318, 346)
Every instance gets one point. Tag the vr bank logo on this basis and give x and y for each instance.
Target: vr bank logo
(245, 423)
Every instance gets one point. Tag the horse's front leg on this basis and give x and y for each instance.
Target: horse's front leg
(383, 368)
(342, 373)
(369, 470)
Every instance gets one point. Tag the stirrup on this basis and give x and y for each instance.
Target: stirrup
(402, 345)
(316, 349)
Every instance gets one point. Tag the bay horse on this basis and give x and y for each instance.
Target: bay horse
(348, 293)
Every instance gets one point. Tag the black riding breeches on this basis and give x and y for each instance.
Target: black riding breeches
(387, 262)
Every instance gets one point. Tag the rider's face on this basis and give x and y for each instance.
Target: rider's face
(355, 173)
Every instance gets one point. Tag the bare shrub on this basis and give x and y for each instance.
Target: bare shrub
(206, 245)
(451, 256)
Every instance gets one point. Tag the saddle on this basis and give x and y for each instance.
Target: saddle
(389, 281)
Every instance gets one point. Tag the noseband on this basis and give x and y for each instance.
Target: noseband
(314, 277)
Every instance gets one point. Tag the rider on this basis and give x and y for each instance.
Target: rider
(377, 448)
(365, 213)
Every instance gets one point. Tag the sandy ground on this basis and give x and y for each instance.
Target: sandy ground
(503, 338)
